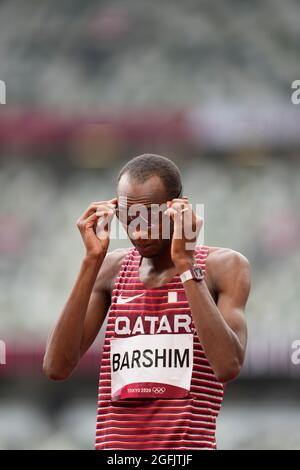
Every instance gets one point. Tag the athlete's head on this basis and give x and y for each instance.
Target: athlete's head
(147, 181)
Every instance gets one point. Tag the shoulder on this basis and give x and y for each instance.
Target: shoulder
(116, 256)
(225, 258)
(110, 268)
(225, 265)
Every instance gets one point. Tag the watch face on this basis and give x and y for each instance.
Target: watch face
(198, 272)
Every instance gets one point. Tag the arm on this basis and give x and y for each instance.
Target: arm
(221, 327)
(78, 324)
(101, 297)
(86, 307)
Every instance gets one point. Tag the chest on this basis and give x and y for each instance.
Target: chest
(152, 280)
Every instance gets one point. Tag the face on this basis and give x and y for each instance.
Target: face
(145, 227)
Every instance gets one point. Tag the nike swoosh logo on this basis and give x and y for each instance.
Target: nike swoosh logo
(125, 300)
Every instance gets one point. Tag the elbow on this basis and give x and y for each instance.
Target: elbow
(54, 373)
(229, 373)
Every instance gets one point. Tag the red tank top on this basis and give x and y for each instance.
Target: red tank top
(187, 423)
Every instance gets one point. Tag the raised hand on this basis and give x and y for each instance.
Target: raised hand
(187, 226)
(94, 227)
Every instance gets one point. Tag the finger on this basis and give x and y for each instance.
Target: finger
(82, 224)
(114, 200)
(185, 210)
(178, 224)
(95, 206)
(105, 211)
(89, 221)
(110, 203)
(105, 214)
(92, 208)
(105, 204)
(170, 212)
(179, 205)
(182, 200)
(103, 227)
(176, 217)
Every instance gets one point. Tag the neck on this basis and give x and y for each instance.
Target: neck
(161, 262)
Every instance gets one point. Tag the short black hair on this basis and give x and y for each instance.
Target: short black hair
(142, 167)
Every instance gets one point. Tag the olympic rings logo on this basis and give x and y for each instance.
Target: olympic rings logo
(158, 390)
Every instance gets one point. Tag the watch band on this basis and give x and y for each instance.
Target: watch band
(186, 276)
(194, 273)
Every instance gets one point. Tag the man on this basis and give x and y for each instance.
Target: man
(176, 331)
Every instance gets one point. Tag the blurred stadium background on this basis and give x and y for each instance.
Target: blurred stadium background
(91, 84)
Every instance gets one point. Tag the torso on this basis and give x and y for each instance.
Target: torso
(177, 421)
(153, 281)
